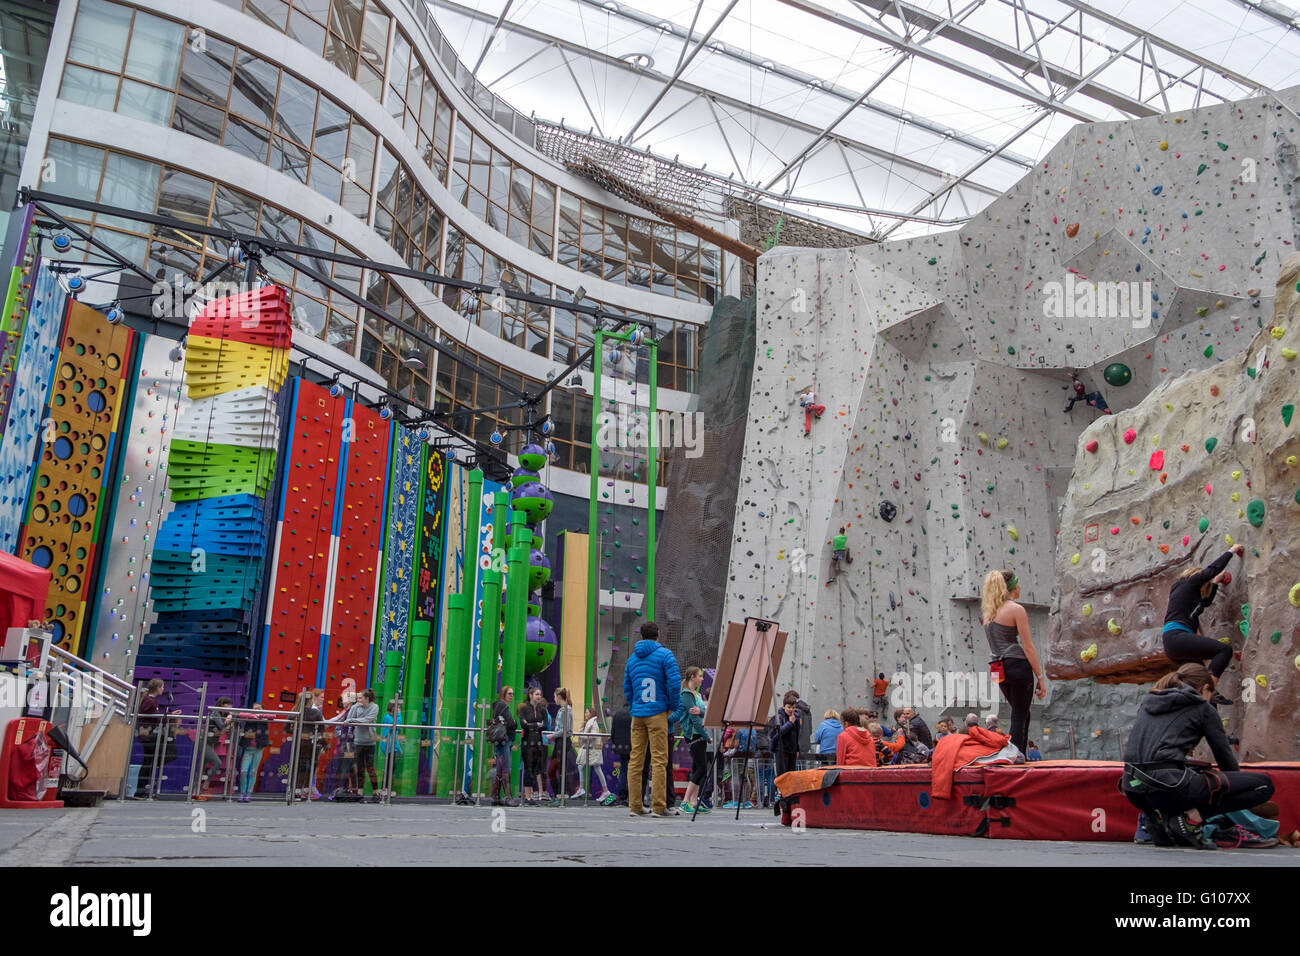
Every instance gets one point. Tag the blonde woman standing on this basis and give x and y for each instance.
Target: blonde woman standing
(591, 757)
(1006, 625)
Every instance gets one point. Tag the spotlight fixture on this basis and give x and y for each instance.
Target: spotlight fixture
(413, 361)
(574, 386)
(579, 294)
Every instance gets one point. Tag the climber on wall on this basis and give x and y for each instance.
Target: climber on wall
(1081, 394)
(839, 552)
(1189, 596)
(808, 401)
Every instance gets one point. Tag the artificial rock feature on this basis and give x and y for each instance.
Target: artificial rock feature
(943, 363)
(1225, 442)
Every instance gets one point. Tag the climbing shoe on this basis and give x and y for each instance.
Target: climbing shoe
(1143, 836)
(1239, 838)
(1157, 829)
(1188, 834)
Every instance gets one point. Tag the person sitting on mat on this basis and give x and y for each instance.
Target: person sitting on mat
(1176, 797)
(854, 746)
(1182, 644)
(886, 750)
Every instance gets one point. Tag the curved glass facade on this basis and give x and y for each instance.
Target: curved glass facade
(238, 96)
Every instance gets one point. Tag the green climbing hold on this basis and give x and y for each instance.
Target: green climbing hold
(1297, 496)
(1011, 350)
(933, 260)
(1117, 374)
(1210, 443)
(990, 488)
(1255, 512)
(1244, 624)
(1209, 350)
(1201, 168)
(1205, 523)
(1251, 371)
(1223, 146)
(1287, 412)
(1166, 524)
(1275, 637)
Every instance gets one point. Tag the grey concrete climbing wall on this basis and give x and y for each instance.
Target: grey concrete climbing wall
(943, 364)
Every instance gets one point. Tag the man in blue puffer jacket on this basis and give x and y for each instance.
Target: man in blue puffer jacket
(651, 683)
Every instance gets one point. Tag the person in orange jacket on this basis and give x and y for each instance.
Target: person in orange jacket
(886, 750)
(854, 747)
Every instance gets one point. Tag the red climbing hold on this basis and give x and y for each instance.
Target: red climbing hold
(1130, 436)
(1092, 445)
(1157, 460)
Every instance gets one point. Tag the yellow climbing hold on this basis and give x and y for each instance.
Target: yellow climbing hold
(1296, 662)
(1236, 476)
(1087, 610)
(1002, 443)
(1289, 353)
(1088, 654)
(1277, 331)
(1292, 460)
(1113, 626)
(1261, 680)
(1294, 596)
(1087, 485)
(1164, 145)
(1075, 559)
(1228, 540)
(1168, 407)
(983, 437)
(1236, 496)
(1015, 535)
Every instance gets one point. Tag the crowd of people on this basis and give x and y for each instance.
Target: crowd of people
(559, 760)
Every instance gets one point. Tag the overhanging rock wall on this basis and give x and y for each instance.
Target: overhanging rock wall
(1208, 459)
(944, 366)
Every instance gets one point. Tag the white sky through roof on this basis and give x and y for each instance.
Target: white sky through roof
(961, 98)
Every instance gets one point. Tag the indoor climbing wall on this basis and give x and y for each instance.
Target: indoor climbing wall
(325, 585)
(207, 573)
(66, 507)
(121, 612)
(1132, 253)
(43, 313)
(1209, 459)
(356, 549)
(399, 546)
(300, 570)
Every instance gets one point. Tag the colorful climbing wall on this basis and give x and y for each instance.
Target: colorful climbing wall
(399, 547)
(21, 274)
(43, 313)
(356, 552)
(206, 573)
(427, 597)
(300, 573)
(121, 612)
(67, 506)
(325, 584)
(456, 497)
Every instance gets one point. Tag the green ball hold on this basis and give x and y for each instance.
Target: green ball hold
(1117, 374)
(1297, 496)
(1275, 637)
(1209, 350)
(1255, 512)
(1205, 523)
(1011, 350)
(1210, 443)
(1166, 525)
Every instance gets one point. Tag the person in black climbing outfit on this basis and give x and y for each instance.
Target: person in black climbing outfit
(839, 552)
(1006, 625)
(1177, 798)
(808, 402)
(1189, 596)
(1081, 394)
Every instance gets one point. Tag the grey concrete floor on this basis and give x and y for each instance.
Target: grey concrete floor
(325, 834)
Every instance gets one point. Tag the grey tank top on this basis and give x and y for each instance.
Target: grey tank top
(1004, 640)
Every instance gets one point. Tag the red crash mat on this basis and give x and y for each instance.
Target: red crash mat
(1059, 800)
(890, 798)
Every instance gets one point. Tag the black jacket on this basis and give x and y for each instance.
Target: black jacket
(620, 732)
(805, 726)
(1170, 723)
(922, 731)
(787, 731)
(1185, 595)
(533, 720)
(501, 710)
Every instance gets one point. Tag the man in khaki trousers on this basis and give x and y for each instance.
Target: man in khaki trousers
(651, 684)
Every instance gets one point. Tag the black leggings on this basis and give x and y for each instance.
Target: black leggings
(1018, 689)
(1192, 789)
(699, 760)
(1182, 647)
